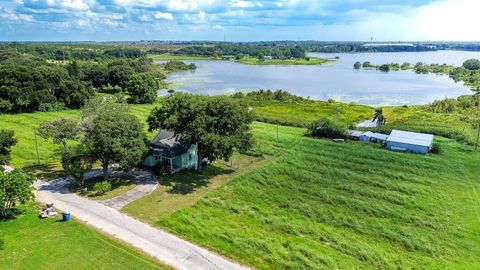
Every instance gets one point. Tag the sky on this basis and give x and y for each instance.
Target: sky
(239, 20)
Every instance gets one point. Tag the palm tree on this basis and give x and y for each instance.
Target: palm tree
(379, 117)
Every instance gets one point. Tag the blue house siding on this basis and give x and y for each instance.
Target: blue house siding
(169, 149)
(185, 161)
(408, 147)
(364, 138)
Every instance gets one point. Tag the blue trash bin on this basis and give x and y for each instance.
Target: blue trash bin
(66, 216)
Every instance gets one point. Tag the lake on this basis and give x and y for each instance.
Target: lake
(337, 80)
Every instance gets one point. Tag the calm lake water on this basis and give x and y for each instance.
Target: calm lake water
(337, 80)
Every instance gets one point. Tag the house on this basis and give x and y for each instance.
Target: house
(168, 149)
(409, 141)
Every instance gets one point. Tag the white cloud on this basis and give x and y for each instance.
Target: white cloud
(182, 5)
(68, 4)
(439, 21)
(449, 20)
(10, 16)
(144, 18)
(201, 15)
(83, 24)
(241, 4)
(270, 19)
(163, 16)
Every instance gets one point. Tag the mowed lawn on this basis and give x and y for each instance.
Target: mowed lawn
(24, 124)
(323, 205)
(33, 243)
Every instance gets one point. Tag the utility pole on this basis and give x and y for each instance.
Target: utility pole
(477, 93)
(478, 136)
(277, 133)
(36, 147)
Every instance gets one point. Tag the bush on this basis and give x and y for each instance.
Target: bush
(52, 107)
(101, 188)
(327, 128)
(436, 149)
(160, 169)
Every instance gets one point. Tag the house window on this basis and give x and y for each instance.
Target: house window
(190, 157)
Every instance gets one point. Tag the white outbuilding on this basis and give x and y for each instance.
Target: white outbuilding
(409, 141)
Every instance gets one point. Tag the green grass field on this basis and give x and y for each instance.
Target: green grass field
(323, 205)
(24, 125)
(183, 190)
(33, 243)
(413, 118)
(314, 204)
(120, 185)
(305, 112)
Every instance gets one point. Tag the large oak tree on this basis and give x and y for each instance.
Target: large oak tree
(217, 124)
(114, 136)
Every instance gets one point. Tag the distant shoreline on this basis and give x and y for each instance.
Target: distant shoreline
(246, 60)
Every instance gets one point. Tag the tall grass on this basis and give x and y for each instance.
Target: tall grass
(323, 205)
(412, 118)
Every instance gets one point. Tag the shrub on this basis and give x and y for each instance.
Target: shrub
(101, 188)
(327, 128)
(52, 107)
(160, 169)
(436, 149)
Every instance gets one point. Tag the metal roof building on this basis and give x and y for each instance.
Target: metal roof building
(373, 137)
(409, 141)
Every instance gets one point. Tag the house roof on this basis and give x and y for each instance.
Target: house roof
(379, 136)
(368, 134)
(412, 138)
(169, 145)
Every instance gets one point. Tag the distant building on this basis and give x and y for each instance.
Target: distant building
(168, 149)
(409, 141)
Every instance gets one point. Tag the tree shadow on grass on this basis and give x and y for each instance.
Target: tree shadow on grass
(115, 181)
(13, 215)
(187, 182)
(48, 172)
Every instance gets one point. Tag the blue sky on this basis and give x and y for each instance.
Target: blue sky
(239, 20)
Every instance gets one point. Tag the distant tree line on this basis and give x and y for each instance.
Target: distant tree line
(244, 49)
(280, 95)
(469, 72)
(29, 82)
(81, 51)
(178, 65)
